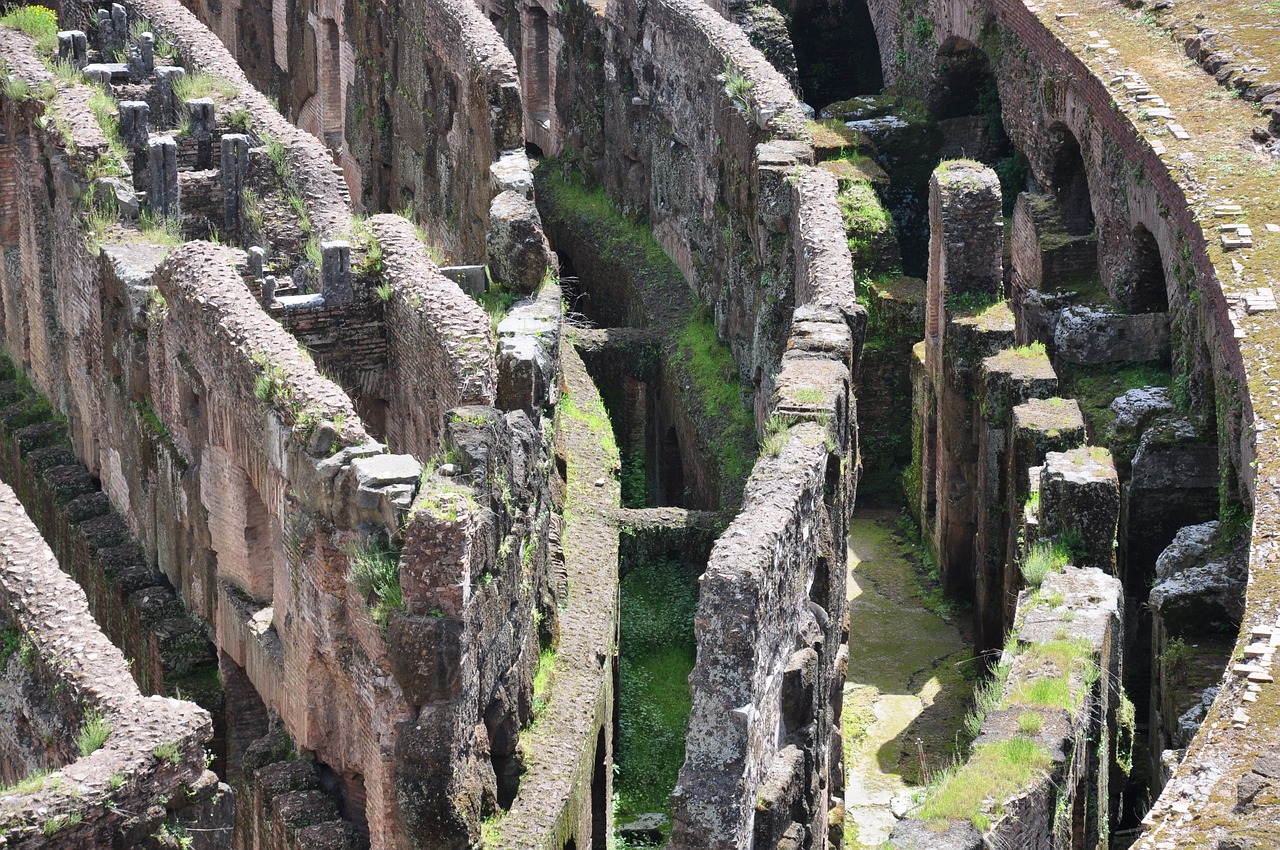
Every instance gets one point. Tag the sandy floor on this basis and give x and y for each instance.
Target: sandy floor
(906, 691)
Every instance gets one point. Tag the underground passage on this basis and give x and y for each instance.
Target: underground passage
(820, 424)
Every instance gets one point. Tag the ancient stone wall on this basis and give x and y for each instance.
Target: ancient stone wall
(660, 130)
(150, 765)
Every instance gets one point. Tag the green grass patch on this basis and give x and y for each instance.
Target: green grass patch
(544, 677)
(718, 392)
(1045, 557)
(657, 646)
(976, 790)
(375, 574)
(39, 22)
(1059, 662)
(94, 732)
(200, 84)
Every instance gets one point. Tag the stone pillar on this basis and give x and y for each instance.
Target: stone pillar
(257, 261)
(268, 289)
(235, 169)
(134, 119)
(142, 56)
(166, 76)
(1080, 496)
(1010, 378)
(119, 25)
(963, 324)
(518, 252)
(73, 47)
(162, 176)
(202, 116)
(335, 271)
(98, 75)
(1039, 426)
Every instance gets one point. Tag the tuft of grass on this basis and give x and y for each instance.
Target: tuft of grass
(159, 229)
(775, 436)
(375, 574)
(168, 752)
(201, 84)
(94, 733)
(976, 790)
(56, 824)
(544, 677)
(737, 87)
(1045, 557)
(1030, 722)
(383, 291)
(39, 22)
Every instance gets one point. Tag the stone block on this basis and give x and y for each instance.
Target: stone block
(1199, 589)
(73, 47)
(134, 128)
(518, 252)
(166, 77)
(425, 653)
(162, 176)
(1041, 426)
(1092, 335)
(1080, 494)
(472, 279)
(335, 271)
(235, 170)
(1013, 377)
(966, 238)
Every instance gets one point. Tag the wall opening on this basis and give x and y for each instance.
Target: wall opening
(1150, 293)
(1069, 182)
(837, 54)
(600, 795)
(671, 469)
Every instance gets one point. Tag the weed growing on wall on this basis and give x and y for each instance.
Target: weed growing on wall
(94, 733)
(375, 574)
(1044, 558)
(198, 84)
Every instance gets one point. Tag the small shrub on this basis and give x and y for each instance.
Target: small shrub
(39, 22)
(383, 291)
(775, 436)
(94, 733)
(738, 87)
(237, 120)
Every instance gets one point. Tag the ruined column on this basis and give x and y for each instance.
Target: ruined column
(235, 170)
(73, 47)
(142, 54)
(963, 324)
(335, 271)
(166, 77)
(162, 176)
(1080, 499)
(1010, 378)
(134, 118)
(1039, 426)
(202, 116)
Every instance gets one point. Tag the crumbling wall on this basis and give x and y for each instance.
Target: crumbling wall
(671, 130)
(151, 765)
(1070, 628)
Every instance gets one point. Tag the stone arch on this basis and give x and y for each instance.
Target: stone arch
(836, 49)
(965, 100)
(1067, 179)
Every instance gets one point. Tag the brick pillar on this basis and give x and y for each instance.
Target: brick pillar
(961, 328)
(1039, 426)
(1008, 379)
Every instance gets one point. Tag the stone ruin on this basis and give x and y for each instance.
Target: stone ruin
(338, 340)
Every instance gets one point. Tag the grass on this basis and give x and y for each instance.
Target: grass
(1060, 661)
(658, 600)
(30, 784)
(975, 791)
(168, 752)
(1045, 557)
(39, 22)
(200, 84)
(375, 574)
(159, 229)
(775, 436)
(718, 392)
(94, 733)
(56, 824)
(544, 677)
(865, 222)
